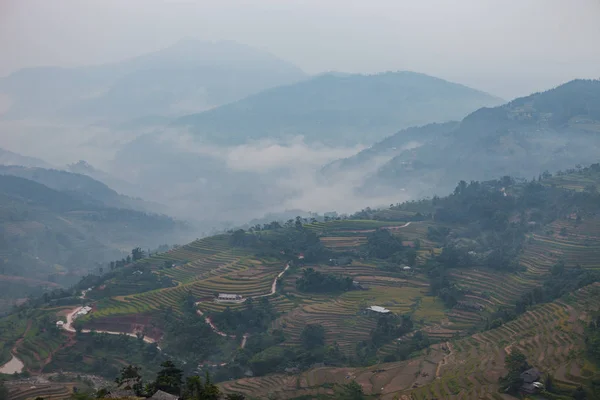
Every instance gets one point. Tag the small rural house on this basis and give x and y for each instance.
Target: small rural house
(531, 382)
(378, 310)
(229, 297)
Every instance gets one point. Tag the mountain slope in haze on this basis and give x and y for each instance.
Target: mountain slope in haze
(57, 236)
(78, 185)
(10, 158)
(553, 130)
(338, 109)
(186, 77)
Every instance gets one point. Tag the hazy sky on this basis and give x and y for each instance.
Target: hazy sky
(507, 47)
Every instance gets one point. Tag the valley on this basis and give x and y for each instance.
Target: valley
(459, 335)
(471, 273)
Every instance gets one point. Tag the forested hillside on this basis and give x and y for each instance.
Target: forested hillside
(390, 298)
(76, 185)
(338, 109)
(51, 238)
(549, 131)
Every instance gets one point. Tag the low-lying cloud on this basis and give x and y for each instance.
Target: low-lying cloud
(200, 181)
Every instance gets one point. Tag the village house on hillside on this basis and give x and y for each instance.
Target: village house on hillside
(229, 297)
(531, 382)
(378, 310)
(83, 311)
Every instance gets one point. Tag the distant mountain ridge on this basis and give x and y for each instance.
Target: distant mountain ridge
(80, 186)
(553, 130)
(10, 158)
(186, 77)
(338, 109)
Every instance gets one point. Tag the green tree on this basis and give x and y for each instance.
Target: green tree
(515, 363)
(579, 394)
(130, 372)
(350, 391)
(169, 378)
(3, 391)
(137, 254)
(235, 396)
(313, 336)
(195, 389)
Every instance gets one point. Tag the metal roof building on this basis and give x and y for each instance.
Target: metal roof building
(378, 309)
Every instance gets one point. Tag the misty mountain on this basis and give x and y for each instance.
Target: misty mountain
(57, 236)
(188, 77)
(10, 158)
(78, 186)
(340, 109)
(553, 130)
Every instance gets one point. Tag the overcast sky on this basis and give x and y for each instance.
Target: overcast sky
(507, 47)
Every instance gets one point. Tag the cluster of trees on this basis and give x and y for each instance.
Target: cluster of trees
(390, 327)
(256, 316)
(188, 336)
(318, 282)
(592, 340)
(97, 353)
(497, 215)
(516, 363)
(383, 244)
(3, 391)
(169, 379)
(136, 254)
(262, 354)
(290, 239)
(562, 280)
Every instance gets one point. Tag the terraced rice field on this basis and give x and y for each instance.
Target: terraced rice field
(550, 335)
(579, 246)
(343, 315)
(349, 225)
(575, 181)
(46, 391)
(197, 259)
(247, 277)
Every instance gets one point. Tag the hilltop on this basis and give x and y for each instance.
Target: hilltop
(547, 131)
(468, 277)
(187, 77)
(338, 109)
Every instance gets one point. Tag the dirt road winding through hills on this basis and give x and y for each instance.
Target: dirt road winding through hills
(68, 326)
